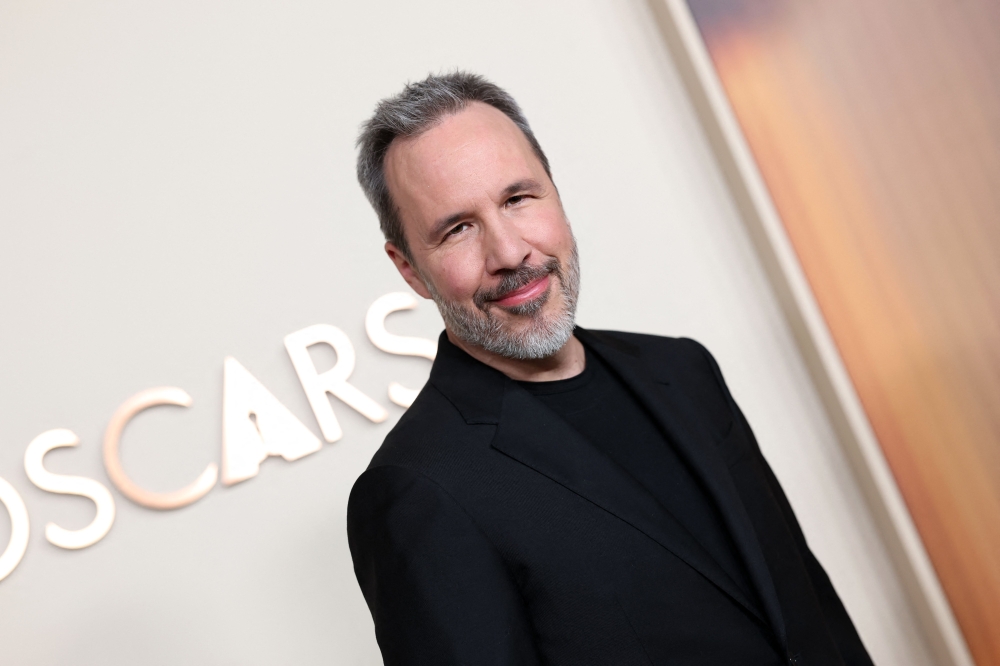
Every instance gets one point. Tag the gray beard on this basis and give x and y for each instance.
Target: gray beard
(543, 335)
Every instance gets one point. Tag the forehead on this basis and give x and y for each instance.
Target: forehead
(469, 154)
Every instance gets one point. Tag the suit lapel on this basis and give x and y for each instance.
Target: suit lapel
(671, 409)
(534, 435)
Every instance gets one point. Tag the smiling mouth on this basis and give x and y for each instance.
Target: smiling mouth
(522, 295)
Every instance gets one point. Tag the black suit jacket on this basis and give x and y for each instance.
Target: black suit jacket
(487, 531)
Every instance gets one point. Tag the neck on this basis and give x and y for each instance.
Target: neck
(568, 362)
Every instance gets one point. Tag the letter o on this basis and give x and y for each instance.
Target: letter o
(18, 543)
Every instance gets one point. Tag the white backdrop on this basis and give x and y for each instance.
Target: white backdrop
(176, 186)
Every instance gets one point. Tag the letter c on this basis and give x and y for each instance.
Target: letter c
(18, 543)
(164, 395)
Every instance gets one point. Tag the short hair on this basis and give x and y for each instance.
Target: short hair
(417, 108)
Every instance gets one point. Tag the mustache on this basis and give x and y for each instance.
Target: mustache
(514, 279)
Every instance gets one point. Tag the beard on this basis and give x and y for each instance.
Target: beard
(530, 333)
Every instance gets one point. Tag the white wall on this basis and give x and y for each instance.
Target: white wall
(176, 185)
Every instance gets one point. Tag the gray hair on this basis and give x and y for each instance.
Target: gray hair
(418, 107)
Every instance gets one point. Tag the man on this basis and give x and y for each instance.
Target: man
(556, 495)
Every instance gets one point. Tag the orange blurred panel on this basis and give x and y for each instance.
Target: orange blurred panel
(876, 126)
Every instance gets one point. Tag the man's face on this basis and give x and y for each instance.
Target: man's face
(488, 238)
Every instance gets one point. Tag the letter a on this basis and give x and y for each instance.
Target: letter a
(245, 444)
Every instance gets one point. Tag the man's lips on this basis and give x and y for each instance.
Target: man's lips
(524, 294)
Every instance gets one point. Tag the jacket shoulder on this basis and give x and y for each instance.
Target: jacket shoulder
(666, 357)
(431, 432)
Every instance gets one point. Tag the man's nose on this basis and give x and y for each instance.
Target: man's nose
(505, 248)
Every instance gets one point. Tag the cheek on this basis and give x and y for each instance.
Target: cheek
(459, 273)
(550, 234)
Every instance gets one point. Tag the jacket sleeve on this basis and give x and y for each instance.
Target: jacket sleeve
(838, 621)
(437, 589)
(844, 634)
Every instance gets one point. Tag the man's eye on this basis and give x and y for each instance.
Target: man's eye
(457, 229)
(516, 199)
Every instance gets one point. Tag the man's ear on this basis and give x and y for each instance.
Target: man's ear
(406, 269)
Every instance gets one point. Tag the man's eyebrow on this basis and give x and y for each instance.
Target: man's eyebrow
(528, 184)
(525, 185)
(442, 225)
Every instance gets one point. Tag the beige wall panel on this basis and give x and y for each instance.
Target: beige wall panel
(176, 187)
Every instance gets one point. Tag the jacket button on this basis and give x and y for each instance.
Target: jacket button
(794, 661)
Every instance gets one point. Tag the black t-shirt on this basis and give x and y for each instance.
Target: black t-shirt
(602, 409)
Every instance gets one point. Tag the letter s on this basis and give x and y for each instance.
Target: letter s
(397, 344)
(69, 485)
